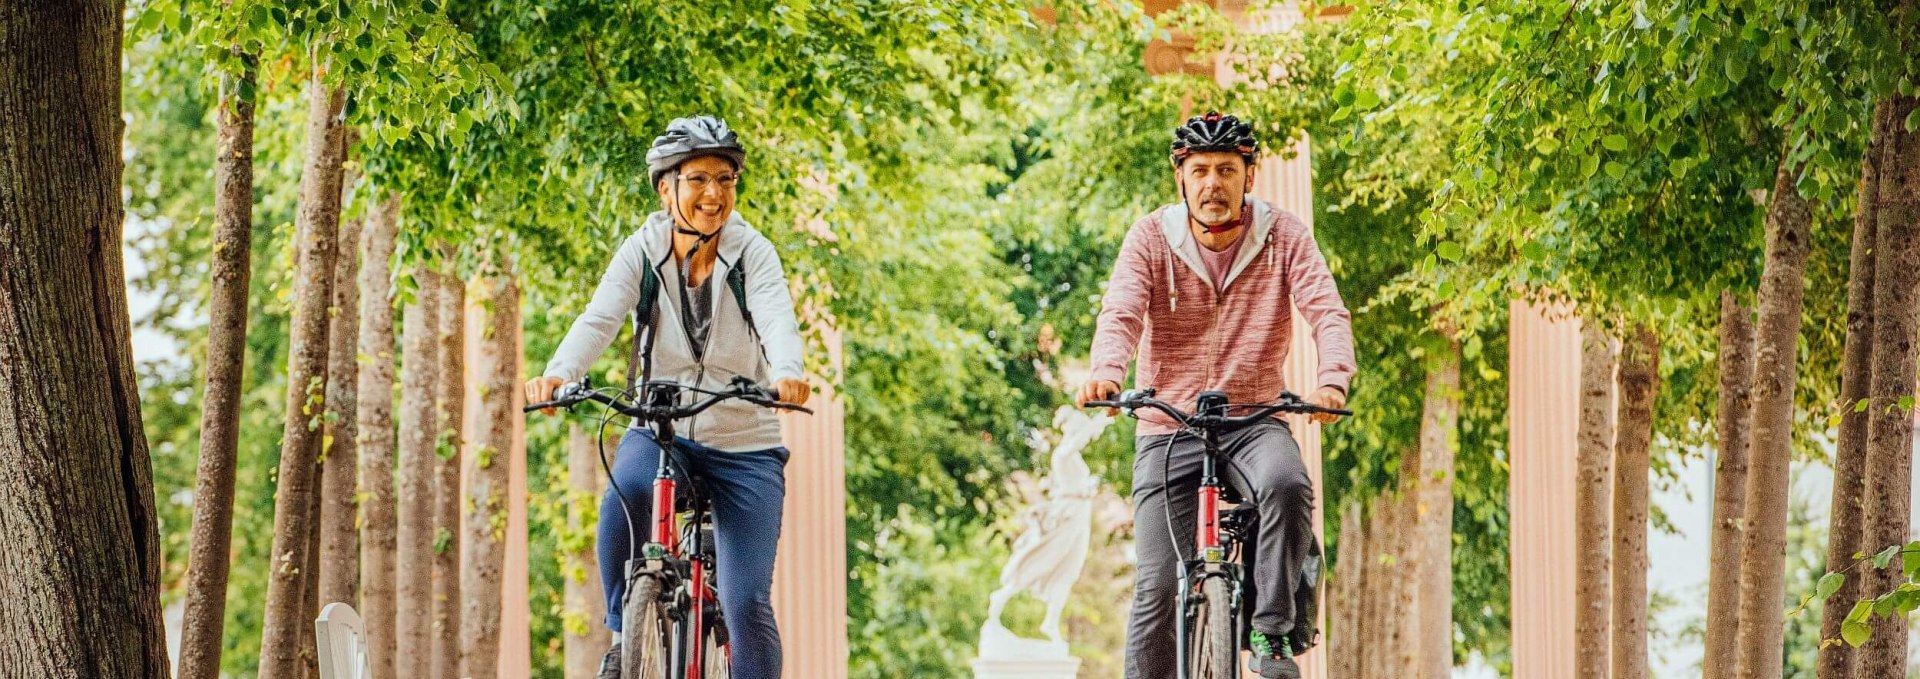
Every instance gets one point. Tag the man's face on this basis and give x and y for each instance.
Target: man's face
(1215, 184)
(701, 193)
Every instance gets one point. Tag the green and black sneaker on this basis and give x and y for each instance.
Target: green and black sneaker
(1271, 657)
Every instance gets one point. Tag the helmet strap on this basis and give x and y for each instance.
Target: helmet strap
(681, 220)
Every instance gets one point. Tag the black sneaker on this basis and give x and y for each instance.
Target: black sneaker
(1271, 658)
(610, 664)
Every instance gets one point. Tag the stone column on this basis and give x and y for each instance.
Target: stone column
(1543, 392)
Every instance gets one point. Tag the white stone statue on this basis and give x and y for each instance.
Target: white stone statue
(1052, 546)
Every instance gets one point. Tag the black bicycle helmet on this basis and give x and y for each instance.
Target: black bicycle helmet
(1213, 132)
(689, 138)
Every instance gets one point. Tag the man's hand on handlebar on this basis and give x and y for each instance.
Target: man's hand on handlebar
(1096, 390)
(1328, 397)
(540, 390)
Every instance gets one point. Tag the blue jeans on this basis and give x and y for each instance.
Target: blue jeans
(748, 491)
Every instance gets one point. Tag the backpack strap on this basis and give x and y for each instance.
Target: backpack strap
(640, 359)
(737, 282)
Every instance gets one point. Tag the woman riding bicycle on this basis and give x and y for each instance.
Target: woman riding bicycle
(722, 310)
(1202, 288)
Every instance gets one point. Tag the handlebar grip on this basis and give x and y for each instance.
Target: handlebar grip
(1105, 404)
(533, 407)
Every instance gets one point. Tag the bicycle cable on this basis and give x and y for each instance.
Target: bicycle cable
(633, 535)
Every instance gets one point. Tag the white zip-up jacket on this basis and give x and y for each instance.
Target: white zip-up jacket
(734, 425)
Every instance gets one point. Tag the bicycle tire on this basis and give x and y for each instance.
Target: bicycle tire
(645, 630)
(1213, 653)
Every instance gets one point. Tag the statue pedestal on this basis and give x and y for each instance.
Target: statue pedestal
(1005, 656)
(1027, 668)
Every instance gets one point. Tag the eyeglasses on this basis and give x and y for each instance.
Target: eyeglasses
(700, 181)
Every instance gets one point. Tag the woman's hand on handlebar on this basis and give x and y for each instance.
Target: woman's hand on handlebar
(1328, 397)
(540, 390)
(792, 391)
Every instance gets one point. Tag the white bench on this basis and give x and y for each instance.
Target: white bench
(339, 636)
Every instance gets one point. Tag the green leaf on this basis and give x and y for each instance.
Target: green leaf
(1828, 584)
(1546, 145)
(1913, 120)
(1366, 99)
(1736, 68)
(1885, 556)
(1860, 406)
(1615, 169)
(1451, 251)
(1910, 559)
(1854, 630)
(1614, 142)
(1589, 165)
(1533, 250)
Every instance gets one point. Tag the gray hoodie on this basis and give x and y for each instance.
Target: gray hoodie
(734, 426)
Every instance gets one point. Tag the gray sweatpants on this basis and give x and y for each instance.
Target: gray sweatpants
(1265, 468)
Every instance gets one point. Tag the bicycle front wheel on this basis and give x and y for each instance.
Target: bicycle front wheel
(1213, 653)
(717, 654)
(644, 636)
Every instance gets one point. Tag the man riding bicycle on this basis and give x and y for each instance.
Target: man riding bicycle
(721, 310)
(1206, 284)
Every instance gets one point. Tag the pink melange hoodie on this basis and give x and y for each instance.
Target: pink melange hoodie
(1192, 339)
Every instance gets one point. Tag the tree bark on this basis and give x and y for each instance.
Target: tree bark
(420, 362)
(374, 424)
(210, 560)
(1438, 437)
(1763, 553)
(446, 476)
(1729, 485)
(1836, 660)
(1381, 596)
(1889, 410)
(1408, 599)
(316, 228)
(586, 601)
(339, 474)
(1639, 389)
(484, 545)
(1344, 649)
(1593, 534)
(80, 571)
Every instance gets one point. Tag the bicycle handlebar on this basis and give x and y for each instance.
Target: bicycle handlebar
(1288, 402)
(574, 393)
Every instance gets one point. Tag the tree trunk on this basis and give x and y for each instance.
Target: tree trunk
(1763, 554)
(374, 424)
(1639, 389)
(1889, 411)
(586, 601)
(1729, 485)
(1850, 454)
(210, 559)
(339, 532)
(1380, 593)
(446, 476)
(80, 579)
(1435, 513)
(309, 662)
(316, 226)
(485, 544)
(1409, 600)
(1344, 649)
(420, 361)
(1593, 497)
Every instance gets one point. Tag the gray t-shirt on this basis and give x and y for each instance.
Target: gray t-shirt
(697, 308)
